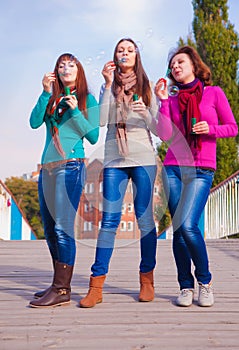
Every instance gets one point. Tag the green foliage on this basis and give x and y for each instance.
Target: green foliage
(162, 150)
(218, 45)
(161, 211)
(26, 195)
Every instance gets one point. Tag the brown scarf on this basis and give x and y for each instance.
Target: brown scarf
(124, 95)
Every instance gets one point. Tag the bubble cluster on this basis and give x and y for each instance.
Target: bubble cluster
(88, 60)
(100, 55)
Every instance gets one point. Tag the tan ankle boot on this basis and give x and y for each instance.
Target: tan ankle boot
(146, 286)
(60, 291)
(94, 295)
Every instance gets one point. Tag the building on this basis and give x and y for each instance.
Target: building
(13, 223)
(89, 213)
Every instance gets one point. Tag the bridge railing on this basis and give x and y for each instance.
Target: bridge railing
(222, 209)
(220, 218)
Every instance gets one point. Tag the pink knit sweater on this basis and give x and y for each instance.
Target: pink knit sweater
(215, 109)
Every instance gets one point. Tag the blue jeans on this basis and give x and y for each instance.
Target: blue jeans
(59, 193)
(187, 190)
(115, 182)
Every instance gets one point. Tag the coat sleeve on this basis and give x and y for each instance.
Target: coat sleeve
(88, 126)
(38, 112)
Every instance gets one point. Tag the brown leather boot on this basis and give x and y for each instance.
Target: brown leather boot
(60, 292)
(146, 286)
(94, 295)
(40, 294)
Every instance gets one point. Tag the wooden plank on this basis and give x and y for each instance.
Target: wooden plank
(120, 322)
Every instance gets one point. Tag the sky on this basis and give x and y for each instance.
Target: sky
(34, 33)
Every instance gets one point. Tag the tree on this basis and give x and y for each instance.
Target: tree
(26, 195)
(218, 45)
(161, 211)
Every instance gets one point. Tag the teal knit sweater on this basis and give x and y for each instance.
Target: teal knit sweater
(73, 128)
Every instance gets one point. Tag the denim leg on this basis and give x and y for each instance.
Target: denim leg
(115, 181)
(46, 189)
(187, 190)
(143, 185)
(69, 184)
(193, 237)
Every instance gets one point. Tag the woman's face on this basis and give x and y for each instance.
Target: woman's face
(126, 55)
(67, 71)
(182, 68)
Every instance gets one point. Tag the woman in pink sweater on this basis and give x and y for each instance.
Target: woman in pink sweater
(191, 120)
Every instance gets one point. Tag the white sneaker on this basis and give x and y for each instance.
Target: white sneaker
(205, 295)
(185, 298)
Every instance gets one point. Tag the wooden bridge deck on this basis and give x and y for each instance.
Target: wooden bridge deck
(120, 322)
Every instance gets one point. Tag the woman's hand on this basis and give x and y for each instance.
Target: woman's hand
(201, 128)
(161, 90)
(139, 107)
(107, 73)
(71, 100)
(47, 81)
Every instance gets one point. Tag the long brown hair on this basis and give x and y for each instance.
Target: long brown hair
(201, 70)
(81, 83)
(142, 87)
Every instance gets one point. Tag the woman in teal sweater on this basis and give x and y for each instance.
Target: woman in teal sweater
(70, 114)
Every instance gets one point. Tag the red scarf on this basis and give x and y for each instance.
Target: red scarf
(189, 97)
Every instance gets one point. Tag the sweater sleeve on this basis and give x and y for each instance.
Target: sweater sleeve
(227, 126)
(151, 119)
(164, 123)
(88, 126)
(104, 105)
(38, 112)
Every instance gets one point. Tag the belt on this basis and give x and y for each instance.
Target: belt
(206, 168)
(53, 165)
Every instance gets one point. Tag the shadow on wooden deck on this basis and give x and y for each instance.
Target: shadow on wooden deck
(120, 322)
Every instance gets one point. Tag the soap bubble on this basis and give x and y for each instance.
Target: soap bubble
(88, 60)
(173, 90)
(122, 60)
(95, 72)
(100, 55)
(140, 45)
(149, 32)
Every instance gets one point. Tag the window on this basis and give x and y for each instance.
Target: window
(123, 226)
(88, 207)
(89, 187)
(130, 187)
(92, 187)
(101, 187)
(130, 207)
(123, 208)
(87, 226)
(156, 190)
(86, 188)
(130, 225)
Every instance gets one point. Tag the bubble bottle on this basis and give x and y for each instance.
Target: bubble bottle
(173, 90)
